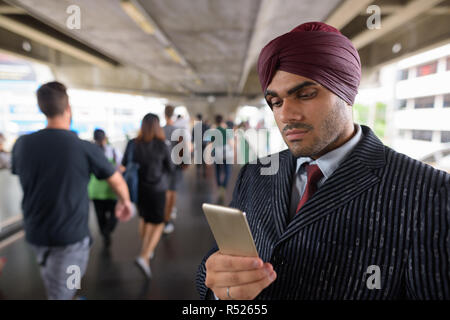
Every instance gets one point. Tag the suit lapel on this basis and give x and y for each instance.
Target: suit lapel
(281, 190)
(353, 176)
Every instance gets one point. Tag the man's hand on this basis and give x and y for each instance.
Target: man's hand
(240, 278)
(123, 207)
(124, 210)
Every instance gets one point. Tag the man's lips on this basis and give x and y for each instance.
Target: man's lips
(295, 134)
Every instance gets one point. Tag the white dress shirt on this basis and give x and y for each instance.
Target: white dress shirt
(327, 163)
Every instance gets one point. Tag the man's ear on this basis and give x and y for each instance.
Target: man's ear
(69, 113)
(69, 110)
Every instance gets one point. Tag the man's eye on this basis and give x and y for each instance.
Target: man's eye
(307, 95)
(275, 103)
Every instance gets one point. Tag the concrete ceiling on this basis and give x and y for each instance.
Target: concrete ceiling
(217, 41)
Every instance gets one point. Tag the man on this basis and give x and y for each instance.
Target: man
(175, 177)
(345, 217)
(5, 157)
(200, 127)
(54, 168)
(221, 153)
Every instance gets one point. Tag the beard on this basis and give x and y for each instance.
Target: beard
(323, 137)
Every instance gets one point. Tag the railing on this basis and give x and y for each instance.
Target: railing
(436, 156)
(10, 203)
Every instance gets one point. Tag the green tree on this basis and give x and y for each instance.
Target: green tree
(361, 115)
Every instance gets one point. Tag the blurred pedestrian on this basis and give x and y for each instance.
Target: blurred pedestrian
(175, 178)
(222, 151)
(5, 157)
(101, 193)
(152, 154)
(2, 264)
(54, 167)
(230, 124)
(200, 127)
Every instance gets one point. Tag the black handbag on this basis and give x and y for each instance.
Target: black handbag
(131, 173)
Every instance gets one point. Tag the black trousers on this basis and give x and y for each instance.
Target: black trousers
(106, 217)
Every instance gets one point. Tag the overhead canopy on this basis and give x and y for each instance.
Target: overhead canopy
(200, 52)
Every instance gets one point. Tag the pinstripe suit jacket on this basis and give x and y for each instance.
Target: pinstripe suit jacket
(379, 208)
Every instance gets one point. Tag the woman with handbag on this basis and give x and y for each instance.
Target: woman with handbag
(151, 153)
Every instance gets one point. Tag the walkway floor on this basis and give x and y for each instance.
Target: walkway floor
(113, 274)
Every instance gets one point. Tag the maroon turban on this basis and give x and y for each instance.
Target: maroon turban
(317, 51)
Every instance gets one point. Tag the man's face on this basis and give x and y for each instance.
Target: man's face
(311, 119)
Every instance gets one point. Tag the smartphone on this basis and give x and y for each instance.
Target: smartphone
(230, 229)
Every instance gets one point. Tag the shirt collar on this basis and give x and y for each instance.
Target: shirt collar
(329, 162)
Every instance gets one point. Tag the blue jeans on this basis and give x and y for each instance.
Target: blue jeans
(222, 180)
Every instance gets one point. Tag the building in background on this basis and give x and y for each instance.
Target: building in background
(421, 115)
(118, 114)
(409, 108)
(19, 80)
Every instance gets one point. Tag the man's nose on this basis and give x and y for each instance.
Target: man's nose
(290, 112)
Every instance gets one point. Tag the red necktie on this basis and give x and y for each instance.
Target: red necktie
(314, 175)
